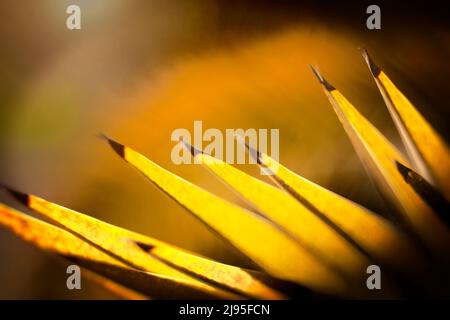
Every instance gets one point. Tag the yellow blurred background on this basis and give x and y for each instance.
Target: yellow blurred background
(139, 69)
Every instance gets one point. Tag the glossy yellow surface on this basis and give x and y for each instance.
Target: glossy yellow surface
(223, 274)
(259, 239)
(103, 267)
(122, 244)
(308, 229)
(380, 156)
(51, 238)
(374, 234)
(427, 149)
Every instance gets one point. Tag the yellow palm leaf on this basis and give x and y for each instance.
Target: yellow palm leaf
(373, 234)
(242, 228)
(428, 151)
(125, 246)
(380, 158)
(53, 239)
(309, 230)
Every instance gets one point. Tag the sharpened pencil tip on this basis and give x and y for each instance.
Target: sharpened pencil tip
(20, 196)
(117, 147)
(372, 66)
(321, 79)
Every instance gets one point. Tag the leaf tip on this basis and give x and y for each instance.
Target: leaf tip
(19, 196)
(116, 146)
(374, 69)
(321, 79)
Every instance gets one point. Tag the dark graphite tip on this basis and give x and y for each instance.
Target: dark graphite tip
(372, 66)
(20, 196)
(321, 79)
(117, 147)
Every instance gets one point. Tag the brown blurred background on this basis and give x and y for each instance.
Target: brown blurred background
(139, 69)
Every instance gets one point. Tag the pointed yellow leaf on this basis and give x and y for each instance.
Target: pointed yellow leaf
(380, 157)
(155, 285)
(373, 234)
(309, 230)
(428, 151)
(233, 278)
(253, 235)
(67, 245)
(429, 193)
(122, 244)
(51, 238)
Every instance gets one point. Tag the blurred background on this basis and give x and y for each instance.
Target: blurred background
(139, 69)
